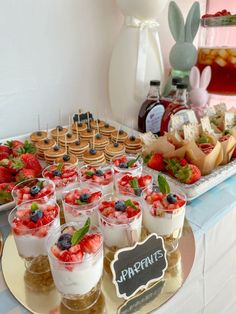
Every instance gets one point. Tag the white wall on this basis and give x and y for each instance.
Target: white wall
(54, 54)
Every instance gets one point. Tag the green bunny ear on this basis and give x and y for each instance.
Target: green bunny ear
(192, 22)
(176, 22)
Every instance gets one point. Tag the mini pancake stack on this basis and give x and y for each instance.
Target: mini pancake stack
(113, 150)
(44, 145)
(59, 131)
(97, 124)
(70, 159)
(133, 145)
(80, 127)
(94, 157)
(107, 130)
(38, 136)
(54, 153)
(78, 148)
(67, 139)
(87, 135)
(119, 136)
(100, 142)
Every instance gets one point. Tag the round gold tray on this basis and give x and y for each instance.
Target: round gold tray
(39, 299)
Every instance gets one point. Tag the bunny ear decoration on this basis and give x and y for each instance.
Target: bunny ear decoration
(205, 77)
(192, 22)
(194, 77)
(176, 22)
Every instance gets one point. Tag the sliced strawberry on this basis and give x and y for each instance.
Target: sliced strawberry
(91, 243)
(95, 197)
(66, 256)
(55, 250)
(144, 180)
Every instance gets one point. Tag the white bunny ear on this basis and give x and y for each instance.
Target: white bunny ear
(205, 77)
(194, 77)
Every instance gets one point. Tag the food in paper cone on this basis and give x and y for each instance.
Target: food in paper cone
(228, 143)
(176, 139)
(160, 145)
(178, 153)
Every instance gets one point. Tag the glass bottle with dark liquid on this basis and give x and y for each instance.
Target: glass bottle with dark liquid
(166, 100)
(152, 110)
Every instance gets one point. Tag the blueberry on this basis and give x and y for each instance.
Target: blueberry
(60, 128)
(46, 141)
(138, 192)
(56, 148)
(39, 133)
(116, 144)
(93, 151)
(64, 241)
(84, 197)
(123, 165)
(106, 125)
(77, 142)
(99, 173)
(69, 135)
(98, 136)
(66, 157)
(79, 124)
(56, 173)
(99, 120)
(121, 132)
(34, 190)
(171, 198)
(89, 130)
(120, 206)
(132, 138)
(36, 215)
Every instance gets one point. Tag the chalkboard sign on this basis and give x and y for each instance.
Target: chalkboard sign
(134, 268)
(83, 117)
(135, 304)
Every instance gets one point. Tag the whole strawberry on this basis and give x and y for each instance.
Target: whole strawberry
(14, 165)
(188, 174)
(18, 148)
(31, 162)
(5, 175)
(25, 174)
(14, 146)
(156, 162)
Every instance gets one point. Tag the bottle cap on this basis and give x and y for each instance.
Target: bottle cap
(176, 80)
(155, 83)
(182, 86)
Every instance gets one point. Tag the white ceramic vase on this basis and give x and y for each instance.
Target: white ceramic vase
(136, 58)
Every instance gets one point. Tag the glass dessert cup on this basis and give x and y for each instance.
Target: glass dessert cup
(78, 281)
(119, 229)
(101, 176)
(40, 190)
(75, 207)
(163, 218)
(30, 236)
(61, 175)
(119, 164)
(128, 184)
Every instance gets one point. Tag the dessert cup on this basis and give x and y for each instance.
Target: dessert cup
(61, 175)
(101, 176)
(163, 218)
(77, 270)
(31, 224)
(78, 209)
(40, 190)
(119, 165)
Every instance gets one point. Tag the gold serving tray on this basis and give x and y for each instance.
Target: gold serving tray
(40, 299)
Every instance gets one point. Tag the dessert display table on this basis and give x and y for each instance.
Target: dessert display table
(210, 287)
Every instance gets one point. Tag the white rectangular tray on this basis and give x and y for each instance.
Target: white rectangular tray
(203, 185)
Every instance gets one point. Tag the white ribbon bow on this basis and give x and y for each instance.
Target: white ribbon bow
(145, 27)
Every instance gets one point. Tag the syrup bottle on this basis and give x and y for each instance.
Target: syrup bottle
(178, 107)
(166, 100)
(151, 112)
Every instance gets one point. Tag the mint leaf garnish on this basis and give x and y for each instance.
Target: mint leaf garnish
(34, 207)
(131, 204)
(132, 161)
(59, 167)
(80, 233)
(89, 173)
(79, 202)
(40, 184)
(163, 184)
(134, 183)
(147, 158)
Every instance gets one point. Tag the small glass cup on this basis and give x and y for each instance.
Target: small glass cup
(80, 213)
(165, 222)
(135, 170)
(78, 282)
(69, 174)
(101, 176)
(119, 232)
(38, 189)
(30, 237)
(123, 186)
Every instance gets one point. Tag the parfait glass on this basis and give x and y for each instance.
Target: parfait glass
(78, 276)
(162, 217)
(119, 164)
(80, 201)
(38, 189)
